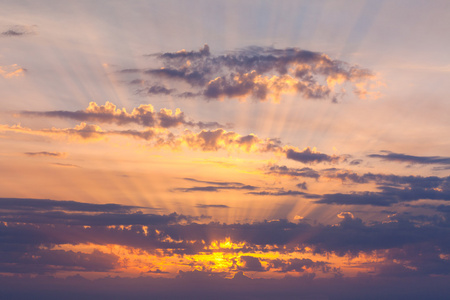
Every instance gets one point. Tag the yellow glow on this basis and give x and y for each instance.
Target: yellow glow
(225, 257)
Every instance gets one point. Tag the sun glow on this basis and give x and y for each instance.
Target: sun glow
(226, 258)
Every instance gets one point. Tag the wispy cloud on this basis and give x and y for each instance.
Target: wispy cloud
(45, 153)
(144, 115)
(19, 30)
(400, 157)
(212, 206)
(214, 186)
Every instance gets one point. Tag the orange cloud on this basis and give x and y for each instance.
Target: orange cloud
(12, 71)
(144, 115)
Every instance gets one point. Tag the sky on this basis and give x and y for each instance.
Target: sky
(226, 149)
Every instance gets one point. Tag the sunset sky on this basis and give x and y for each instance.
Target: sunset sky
(225, 149)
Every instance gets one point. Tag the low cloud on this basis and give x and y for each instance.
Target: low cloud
(386, 197)
(416, 244)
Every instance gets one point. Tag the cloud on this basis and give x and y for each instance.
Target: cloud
(214, 140)
(311, 156)
(88, 132)
(387, 197)
(410, 182)
(282, 192)
(292, 172)
(32, 229)
(399, 157)
(183, 54)
(220, 183)
(302, 186)
(45, 153)
(260, 73)
(37, 205)
(19, 30)
(214, 186)
(144, 115)
(250, 263)
(66, 165)
(177, 231)
(157, 130)
(356, 162)
(12, 71)
(205, 140)
(159, 89)
(46, 261)
(430, 182)
(296, 264)
(212, 206)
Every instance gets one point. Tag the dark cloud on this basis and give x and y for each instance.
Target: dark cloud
(137, 81)
(302, 186)
(157, 271)
(194, 78)
(101, 219)
(45, 153)
(430, 182)
(214, 186)
(433, 185)
(282, 192)
(46, 261)
(159, 89)
(296, 264)
(13, 33)
(220, 183)
(413, 245)
(386, 197)
(212, 206)
(44, 211)
(292, 172)
(356, 162)
(252, 264)
(188, 95)
(19, 30)
(393, 188)
(399, 157)
(308, 156)
(260, 73)
(65, 165)
(183, 54)
(26, 204)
